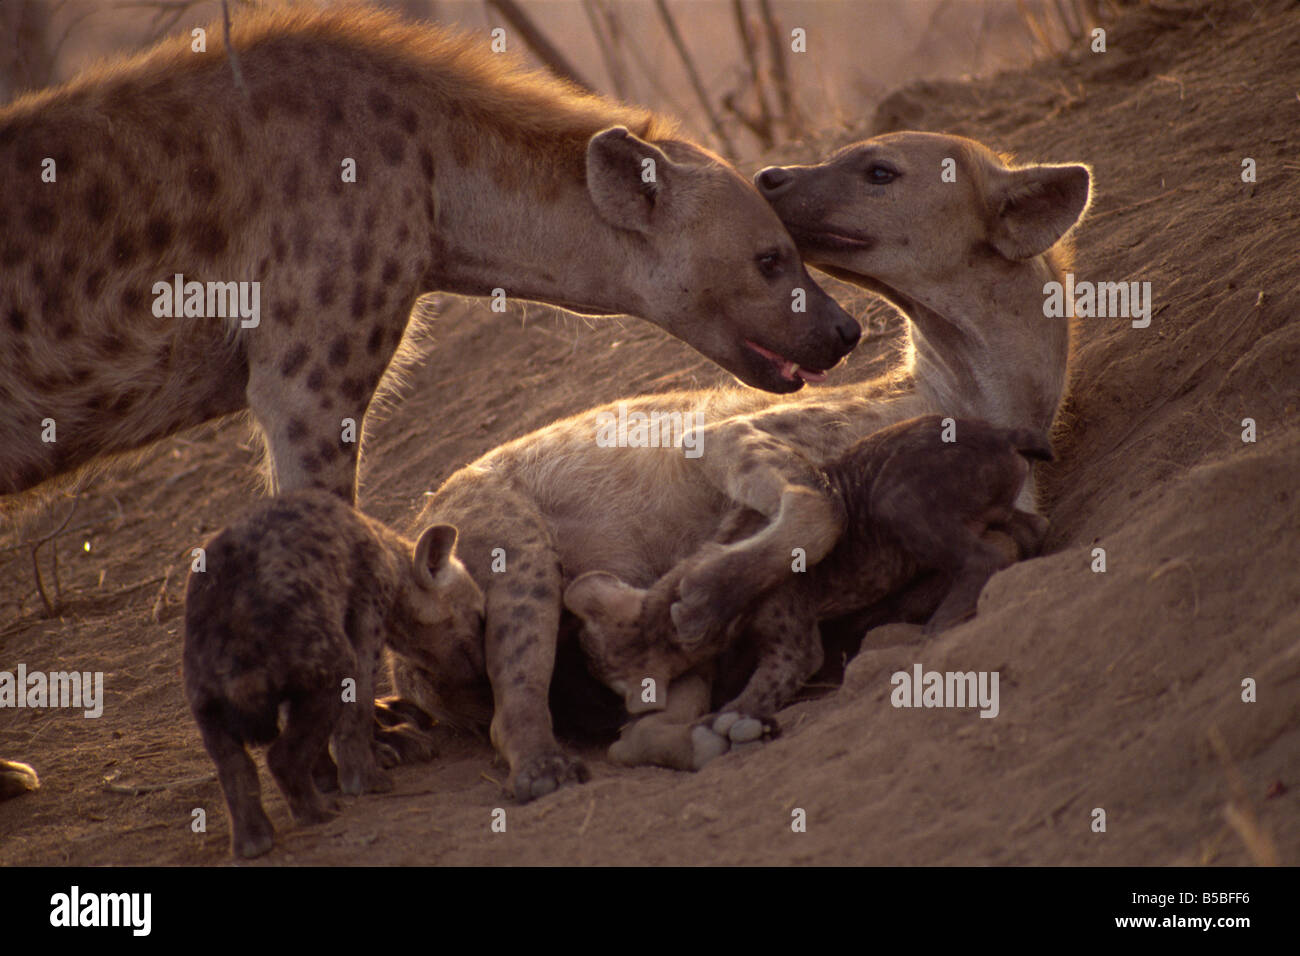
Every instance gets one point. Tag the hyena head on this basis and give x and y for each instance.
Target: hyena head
(437, 620)
(620, 652)
(910, 211)
(712, 263)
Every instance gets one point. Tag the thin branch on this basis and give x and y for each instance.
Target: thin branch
(536, 41)
(604, 41)
(231, 52)
(780, 76)
(673, 34)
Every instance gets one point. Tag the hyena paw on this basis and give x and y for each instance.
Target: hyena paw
(253, 837)
(706, 746)
(356, 781)
(404, 744)
(538, 776)
(740, 728)
(707, 602)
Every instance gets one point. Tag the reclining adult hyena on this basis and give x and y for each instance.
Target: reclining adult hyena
(916, 497)
(371, 161)
(294, 599)
(964, 261)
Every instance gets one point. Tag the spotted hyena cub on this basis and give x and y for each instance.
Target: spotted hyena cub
(291, 611)
(912, 502)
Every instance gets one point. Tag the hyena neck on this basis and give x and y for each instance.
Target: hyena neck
(540, 240)
(990, 353)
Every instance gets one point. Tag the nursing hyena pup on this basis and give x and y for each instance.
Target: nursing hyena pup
(912, 501)
(296, 599)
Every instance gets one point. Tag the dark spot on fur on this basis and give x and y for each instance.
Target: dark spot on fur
(293, 183)
(284, 313)
(375, 344)
(326, 288)
(333, 113)
(94, 283)
(99, 202)
(316, 380)
(381, 104)
(403, 233)
(132, 299)
(426, 162)
(327, 451)
(17, 320)
(158, 233)
(340, 349)
(359, 300)
(13, 255)
(361, 255)
(521, 612)
(355, 389)
(392, 147)
(410, 121)
(112, 344)
(202, 181)
(391, 271)
(123, 248)
(293, 361)
(311, 464)
(42, 219)
(380, 298)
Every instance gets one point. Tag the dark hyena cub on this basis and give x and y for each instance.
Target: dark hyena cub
(295, 598)
(912, 503)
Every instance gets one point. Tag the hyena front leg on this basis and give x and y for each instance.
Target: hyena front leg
(523, 606)
(310, 399)
(785, 630)
(768, 476)
(358, 769)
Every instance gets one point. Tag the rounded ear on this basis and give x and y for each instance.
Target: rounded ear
(1035, 206)
(600, 595)
(625, 178)
(433, 552)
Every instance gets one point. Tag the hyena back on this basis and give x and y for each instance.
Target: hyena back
(291, 601)
(363, 162)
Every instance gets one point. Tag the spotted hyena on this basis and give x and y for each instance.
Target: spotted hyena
(964, 261)
(291, 610)
(916, 496)
(361, 162)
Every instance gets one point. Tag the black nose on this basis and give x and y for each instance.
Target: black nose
(772, 180)
(850, 332)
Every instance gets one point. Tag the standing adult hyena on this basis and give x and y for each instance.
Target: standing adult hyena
(369, 161)
(965, 261)
(296, 598)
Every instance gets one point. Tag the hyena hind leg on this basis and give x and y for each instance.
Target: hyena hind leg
(251, 833)
(295, 755)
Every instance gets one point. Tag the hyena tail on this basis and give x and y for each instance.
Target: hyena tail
(247, 708)
(1030, 443)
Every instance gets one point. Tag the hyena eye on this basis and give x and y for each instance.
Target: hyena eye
(769, 263)
(878, 174)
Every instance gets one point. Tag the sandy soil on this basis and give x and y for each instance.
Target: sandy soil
(1111, 682)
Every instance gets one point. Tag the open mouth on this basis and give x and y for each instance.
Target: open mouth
(827, 239)
(790, 371)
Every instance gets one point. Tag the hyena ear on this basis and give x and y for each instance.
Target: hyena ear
(433, 552)
(1035, 206)
(625, 178)
(601, 596)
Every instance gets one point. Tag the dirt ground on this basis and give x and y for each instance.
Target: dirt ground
(1110, 682)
